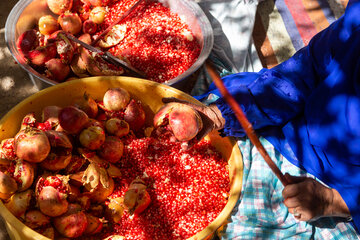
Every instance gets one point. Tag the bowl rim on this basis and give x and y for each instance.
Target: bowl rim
(208, 43)
(236, 179)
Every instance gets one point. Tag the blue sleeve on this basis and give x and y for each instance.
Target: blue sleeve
(274, 96)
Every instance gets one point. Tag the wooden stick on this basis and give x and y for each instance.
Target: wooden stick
(246, 125)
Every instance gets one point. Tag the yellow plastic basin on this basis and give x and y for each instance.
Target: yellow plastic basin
(150, 94)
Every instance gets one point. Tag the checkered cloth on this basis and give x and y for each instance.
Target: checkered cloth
(260, 212)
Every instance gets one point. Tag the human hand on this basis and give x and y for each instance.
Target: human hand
(210, 115)
(308, 199)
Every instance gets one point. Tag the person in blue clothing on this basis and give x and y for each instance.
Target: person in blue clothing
(308, 108)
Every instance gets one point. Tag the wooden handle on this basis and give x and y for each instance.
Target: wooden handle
(246, 125)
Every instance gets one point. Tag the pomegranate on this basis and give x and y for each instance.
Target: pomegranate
(51, 195)
(136, 198)
(89, 27)
(27, 41)
(7, 149)
(19, 203)
(40, 55)
(60, 154)
(56, 69)
(116, 99)
(112, 149)
(59, 6)
(32, 145)
(24, 173)
(183, 121)
(47, 25)
(70, 22)
(72, 119)
(73, 223)
(52, 202)
(36, 219)
(94, 225)
(88, 105)
(92, 137)
(8, 185)
(114, 36)
(117, 127)
(115, 209)
(64, 47)
(135, 115)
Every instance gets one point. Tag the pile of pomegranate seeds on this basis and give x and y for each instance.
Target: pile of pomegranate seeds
(188, 189)
(157, 41)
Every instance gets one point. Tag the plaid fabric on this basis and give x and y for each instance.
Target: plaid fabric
(260, 213)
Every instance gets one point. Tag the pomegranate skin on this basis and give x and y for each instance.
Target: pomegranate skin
(40, 55)
(32, 145)
(51, 202)
(134, 115)
(89, 27)
(73, 223)
(112, 149)
(72, 119)
(183, 121)
(116, 99)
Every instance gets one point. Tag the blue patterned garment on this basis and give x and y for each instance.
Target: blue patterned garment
(260, 212)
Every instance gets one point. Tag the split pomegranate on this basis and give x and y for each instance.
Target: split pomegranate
(27, 41)
(183, 121)
(51, 194)
(60, 153)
